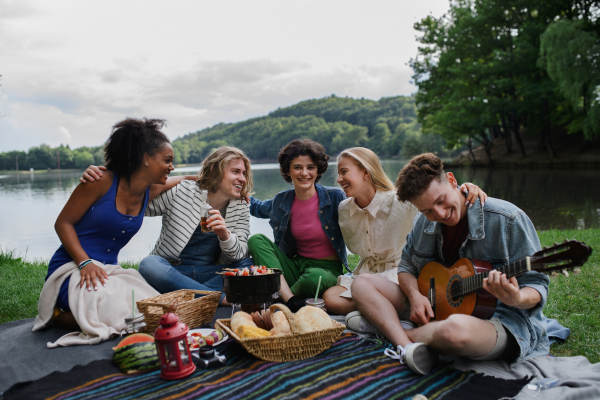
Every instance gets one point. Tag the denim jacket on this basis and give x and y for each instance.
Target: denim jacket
(278, 210)
(499, 233)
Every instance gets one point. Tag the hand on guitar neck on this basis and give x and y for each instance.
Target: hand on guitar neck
(508, 291)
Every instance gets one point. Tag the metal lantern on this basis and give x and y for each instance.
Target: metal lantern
(172, 347)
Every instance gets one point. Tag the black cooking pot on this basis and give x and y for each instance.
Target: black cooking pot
(251, 289)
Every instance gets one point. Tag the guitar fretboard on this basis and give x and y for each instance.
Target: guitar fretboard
(475, 282)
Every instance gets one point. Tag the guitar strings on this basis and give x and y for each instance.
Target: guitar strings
(475, 282)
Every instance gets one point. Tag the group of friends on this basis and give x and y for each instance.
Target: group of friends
(395, 229)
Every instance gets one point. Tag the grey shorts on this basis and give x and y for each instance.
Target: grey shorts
(504, 344)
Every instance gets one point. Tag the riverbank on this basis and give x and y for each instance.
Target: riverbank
(573, 301)
(572, 151)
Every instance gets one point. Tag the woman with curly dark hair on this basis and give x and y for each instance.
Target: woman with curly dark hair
(308, 241)
(98, 220)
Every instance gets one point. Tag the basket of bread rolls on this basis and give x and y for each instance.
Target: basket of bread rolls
(278, 335)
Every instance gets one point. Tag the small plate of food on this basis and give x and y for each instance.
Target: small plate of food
(205, 337)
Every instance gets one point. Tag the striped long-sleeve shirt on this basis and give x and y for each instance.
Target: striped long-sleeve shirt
(180, 209)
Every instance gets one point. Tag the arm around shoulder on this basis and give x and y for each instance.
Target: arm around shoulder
(260, 208)
(172, 181)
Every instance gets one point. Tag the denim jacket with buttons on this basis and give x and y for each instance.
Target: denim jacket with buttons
(499, 233)
(278, 210)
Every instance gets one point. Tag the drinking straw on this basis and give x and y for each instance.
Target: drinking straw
(318, 286)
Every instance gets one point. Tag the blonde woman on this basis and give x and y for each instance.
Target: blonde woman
(374, 223)
(184, 257)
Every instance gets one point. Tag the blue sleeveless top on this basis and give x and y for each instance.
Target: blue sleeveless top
(102, 231)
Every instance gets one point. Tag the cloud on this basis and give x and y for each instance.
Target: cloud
(65, 135)
(71, 69)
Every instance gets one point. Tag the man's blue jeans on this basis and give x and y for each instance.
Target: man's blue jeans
(165, 277)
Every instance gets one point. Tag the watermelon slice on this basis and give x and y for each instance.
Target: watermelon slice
(135, 338)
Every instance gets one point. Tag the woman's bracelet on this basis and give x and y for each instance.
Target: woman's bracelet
(84, 263)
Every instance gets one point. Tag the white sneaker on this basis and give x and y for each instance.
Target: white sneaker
(360, 324)
(417, 356)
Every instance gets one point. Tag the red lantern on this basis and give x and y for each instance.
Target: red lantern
(172, 346)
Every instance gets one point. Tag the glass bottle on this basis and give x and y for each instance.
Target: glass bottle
(204, 211)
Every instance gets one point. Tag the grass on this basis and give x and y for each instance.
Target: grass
(21, 283)
(573, 301)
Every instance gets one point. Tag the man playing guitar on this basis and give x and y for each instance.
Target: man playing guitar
(446, 230)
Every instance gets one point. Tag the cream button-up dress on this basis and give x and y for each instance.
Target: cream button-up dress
(376, 233)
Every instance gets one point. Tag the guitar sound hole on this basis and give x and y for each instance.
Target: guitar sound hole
(454, 290)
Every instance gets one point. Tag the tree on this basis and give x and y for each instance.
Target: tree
(571, 53)
(82, 159)
(42, 157)
(478, 74)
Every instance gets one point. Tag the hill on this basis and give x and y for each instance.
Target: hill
(388, 126)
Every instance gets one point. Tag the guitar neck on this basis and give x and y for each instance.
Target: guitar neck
(475, 282)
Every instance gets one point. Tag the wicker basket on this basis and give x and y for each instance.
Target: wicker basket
(192, 312)
(296, 346)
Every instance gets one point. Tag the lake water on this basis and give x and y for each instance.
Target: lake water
(553, 198)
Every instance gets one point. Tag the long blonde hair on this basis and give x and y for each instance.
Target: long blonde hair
(367, 160)
(214, 166)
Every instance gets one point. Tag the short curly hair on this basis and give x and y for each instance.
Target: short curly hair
(416, 176)
(305, 147)
(214, 166)
(129, 140)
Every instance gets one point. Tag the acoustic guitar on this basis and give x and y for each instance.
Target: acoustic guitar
(459, 289)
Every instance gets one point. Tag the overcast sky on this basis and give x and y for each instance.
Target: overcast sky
(71, 69)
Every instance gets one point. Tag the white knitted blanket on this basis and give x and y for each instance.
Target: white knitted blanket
(100, 314)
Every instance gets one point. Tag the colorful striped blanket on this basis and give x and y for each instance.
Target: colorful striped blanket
(353, 368)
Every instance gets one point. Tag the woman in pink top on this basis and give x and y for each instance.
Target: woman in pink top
(308, 241)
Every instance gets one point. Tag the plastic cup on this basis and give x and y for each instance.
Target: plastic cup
(320, 303)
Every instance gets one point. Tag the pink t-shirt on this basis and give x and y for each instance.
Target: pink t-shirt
(305, 227)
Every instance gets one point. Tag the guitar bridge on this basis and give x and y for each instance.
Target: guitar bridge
(431, 294)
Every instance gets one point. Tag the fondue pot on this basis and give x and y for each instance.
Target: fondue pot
(251, 289)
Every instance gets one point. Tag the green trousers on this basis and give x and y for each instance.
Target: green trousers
(301, 273)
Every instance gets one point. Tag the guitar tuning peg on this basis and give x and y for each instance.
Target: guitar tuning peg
(576, 271)
(565, 273)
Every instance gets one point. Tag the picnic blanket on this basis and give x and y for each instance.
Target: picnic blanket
(25, 358)
(353, 368)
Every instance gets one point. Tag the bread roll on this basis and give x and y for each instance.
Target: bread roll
(279, 320)
(309, 319)
(241, 318)
(281, 330)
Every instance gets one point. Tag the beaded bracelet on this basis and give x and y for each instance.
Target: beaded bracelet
(84, 263)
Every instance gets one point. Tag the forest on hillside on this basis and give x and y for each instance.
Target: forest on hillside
(388, 126)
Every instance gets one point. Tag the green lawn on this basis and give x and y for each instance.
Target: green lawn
(574, 301)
